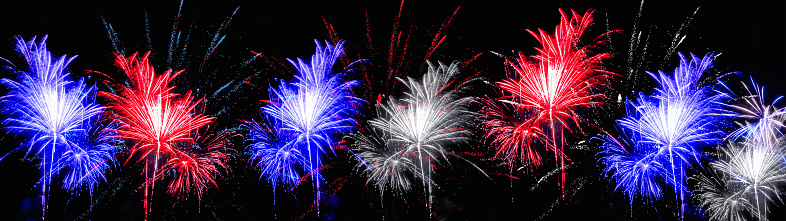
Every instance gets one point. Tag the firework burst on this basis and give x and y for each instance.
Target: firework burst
(512, 132)
(280, 162)
(757, 121)
(153, 116)
(195, 163)
(723, 199)
(303, 119)
(636, 168)
(387, 165)
(752, 173)
(46, 106)
(664, 131)
(415, 131)
(89, 153)
(748, 175)
(545, 91)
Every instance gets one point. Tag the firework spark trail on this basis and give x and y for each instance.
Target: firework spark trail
(396, 55)
(180, 54)
(511, 130)
(197, 162)
(761, 122)
(641, 50)
(412, 133)
(551, 85)
(153, 116)
(303, 119)
(46, 106)
(662, 132)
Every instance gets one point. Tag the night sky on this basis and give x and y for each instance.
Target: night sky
(747, 35)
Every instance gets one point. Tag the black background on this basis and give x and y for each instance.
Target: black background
(748, 34)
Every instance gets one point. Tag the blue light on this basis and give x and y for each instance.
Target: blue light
(663, 132)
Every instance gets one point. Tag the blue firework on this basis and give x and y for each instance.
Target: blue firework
(280, 162)
(51, 112)
(89, 154)
(305, 117)
(663, 132)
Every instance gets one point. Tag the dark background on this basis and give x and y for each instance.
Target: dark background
(747, 34)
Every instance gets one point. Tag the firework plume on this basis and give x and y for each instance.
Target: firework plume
(153, 116)
(195, 163)
(665, 131)
(752, 173)
(412, 134)
(304, 118)
(544, 92)
(46, 106)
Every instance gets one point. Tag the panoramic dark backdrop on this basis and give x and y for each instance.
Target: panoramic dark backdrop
(747, 35)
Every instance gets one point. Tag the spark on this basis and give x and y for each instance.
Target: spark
(394, 54)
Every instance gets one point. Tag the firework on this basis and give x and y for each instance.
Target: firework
(196, 163)
(387, 165)
(512, 131)
(748, 175)
(280, 162)
(761, 122)
(636, 168)
(723, 199)
(187, 49)
(153, 116)
(665, 130)
(416, 130)
(545, 91)
(308, 114)
(91, 151)
(752, 172)
(46, 106)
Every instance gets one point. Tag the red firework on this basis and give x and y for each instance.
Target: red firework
(195, 164)
(512, 131)
(546, 89)
(153, 116)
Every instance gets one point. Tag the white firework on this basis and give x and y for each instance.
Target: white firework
(412, 133)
